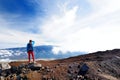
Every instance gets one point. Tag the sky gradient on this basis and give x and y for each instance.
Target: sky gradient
(72, 25)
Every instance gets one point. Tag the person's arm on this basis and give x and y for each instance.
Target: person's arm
(33, 42)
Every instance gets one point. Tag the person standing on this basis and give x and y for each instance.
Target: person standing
(30, 50)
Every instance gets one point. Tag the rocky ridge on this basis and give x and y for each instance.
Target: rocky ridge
(101, 65)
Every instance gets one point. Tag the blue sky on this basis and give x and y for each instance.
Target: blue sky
(73, 25)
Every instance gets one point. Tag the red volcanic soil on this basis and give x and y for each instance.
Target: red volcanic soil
(103, 65)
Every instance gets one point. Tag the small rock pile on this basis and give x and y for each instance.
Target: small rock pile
(20, 72)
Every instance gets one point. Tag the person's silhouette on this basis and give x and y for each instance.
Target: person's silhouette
(30, 50)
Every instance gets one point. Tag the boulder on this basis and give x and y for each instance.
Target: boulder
(83, 70)
(35, 66)
(6, 72)
(4, 66)
(14, 69)
(23, 65)
(2, 78)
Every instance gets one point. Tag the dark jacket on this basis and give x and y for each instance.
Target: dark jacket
(29, 47)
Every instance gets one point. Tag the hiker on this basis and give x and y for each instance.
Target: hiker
(30, 50)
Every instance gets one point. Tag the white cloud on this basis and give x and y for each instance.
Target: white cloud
(12, 38)
(59, 25)
(108, 5)
(97, 31)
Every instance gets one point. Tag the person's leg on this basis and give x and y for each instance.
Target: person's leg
(33, 56)
(29, 56)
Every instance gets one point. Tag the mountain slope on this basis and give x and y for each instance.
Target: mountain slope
(103, 65)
